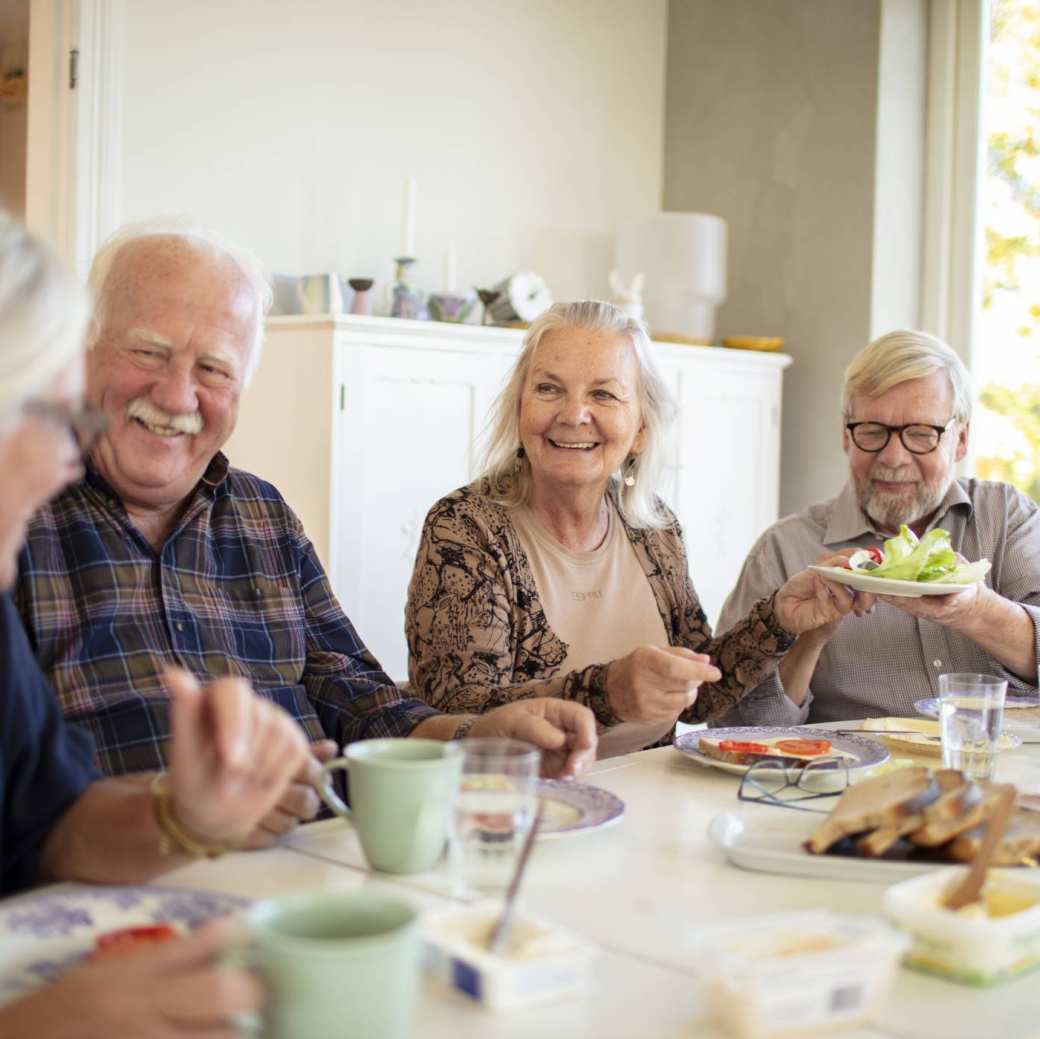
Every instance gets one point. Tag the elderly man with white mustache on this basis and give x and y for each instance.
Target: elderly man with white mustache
(165, 554)
(907, 407)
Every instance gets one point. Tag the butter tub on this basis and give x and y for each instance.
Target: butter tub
(794, 974)
(540, 961)
(982, 944)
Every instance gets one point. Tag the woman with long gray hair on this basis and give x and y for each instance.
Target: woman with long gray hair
(559, 571)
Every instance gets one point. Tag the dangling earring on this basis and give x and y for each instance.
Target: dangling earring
(518, 465)
(630, 468)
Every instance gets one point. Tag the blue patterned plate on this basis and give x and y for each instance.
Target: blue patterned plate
(861, 752)
(44, 932)
(576, 808)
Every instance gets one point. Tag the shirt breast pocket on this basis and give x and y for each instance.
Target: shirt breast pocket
(267, 626)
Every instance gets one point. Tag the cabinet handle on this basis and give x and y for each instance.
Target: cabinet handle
(342, 396)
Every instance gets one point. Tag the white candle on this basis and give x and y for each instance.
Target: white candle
(449, 269)
(408, 219)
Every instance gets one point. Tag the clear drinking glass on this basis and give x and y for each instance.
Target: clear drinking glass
(494, 808)
(971, 715)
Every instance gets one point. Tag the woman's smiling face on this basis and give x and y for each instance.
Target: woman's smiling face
(579, 410)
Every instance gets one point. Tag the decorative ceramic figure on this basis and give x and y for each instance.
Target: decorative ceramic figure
(449, 306)
(362, 303)
(487, 297)
(522, 297)
(628, 300)
(407, 302)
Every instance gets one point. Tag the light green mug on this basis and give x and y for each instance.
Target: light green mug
(334, 963)
(401, 794)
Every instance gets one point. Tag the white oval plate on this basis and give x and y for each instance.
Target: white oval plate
(864, 582)
(576, 808)
(1026, 731)
(45, 932)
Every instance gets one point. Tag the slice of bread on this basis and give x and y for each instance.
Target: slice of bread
(1020, 845)
(962, 804)
(711, 749)
(884, 802)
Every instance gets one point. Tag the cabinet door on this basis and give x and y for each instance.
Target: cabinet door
(408, 434)
(728, 441)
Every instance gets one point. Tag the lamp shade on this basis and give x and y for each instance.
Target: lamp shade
(683, 257)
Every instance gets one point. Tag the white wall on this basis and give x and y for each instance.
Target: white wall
(533, 128)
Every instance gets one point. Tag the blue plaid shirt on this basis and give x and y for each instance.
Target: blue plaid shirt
(237, 590)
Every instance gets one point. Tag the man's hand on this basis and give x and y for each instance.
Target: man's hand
(300, 802)
(655, 683)
(564, 731)
(810, 603)
(951, 611)
(232, 757)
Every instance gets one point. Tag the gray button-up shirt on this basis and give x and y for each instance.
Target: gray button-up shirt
(880, 664)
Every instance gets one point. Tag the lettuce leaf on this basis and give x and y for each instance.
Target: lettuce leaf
(931, 558)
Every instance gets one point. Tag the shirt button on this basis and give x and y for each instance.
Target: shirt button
(180, 627)
(936, 663)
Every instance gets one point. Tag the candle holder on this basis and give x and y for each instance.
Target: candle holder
(487, 297)
(449, 306)
(362, 304)
(407, 302)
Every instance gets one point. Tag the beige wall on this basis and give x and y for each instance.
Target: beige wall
(533, 128)
(771, 121)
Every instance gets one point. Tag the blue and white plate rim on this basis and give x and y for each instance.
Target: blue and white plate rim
(61, 922)
(598, 807)
(868, 752)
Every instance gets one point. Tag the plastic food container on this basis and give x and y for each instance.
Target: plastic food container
(976, 945)
(796, 973)
(539, 962)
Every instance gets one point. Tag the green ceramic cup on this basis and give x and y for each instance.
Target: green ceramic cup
(335, 963)
(401, 793)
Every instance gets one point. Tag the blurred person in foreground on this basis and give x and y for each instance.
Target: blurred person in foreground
(232, 755)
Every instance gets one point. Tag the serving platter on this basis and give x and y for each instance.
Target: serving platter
(571, 808)
(45, 932)
(865, 582)
(770, 841)
(862, 753)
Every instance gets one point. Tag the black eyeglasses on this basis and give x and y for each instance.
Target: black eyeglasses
(777, 781)
(86, 425)
(918, 438)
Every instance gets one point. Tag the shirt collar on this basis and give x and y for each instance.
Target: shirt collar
(211, 484)
(847, 521)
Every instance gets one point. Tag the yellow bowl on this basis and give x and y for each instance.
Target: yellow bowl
(754, 342)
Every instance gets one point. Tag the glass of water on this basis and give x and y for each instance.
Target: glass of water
(971, 714)
(494, 808)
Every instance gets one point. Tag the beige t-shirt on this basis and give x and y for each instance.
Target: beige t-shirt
(601, 604)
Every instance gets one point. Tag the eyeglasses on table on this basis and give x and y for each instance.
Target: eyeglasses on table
(779, 783)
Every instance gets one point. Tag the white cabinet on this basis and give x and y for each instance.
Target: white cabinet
(362, 423)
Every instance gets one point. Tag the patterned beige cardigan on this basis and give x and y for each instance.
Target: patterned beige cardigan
(478, 636)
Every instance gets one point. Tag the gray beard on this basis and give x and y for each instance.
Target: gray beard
(888, 511)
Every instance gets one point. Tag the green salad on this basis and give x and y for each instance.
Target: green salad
(909, 558)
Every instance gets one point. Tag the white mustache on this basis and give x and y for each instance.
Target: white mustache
(882, 472)
(147, 412)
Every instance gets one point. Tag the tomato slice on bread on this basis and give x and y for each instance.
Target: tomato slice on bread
(804, 747)
(744, 747)
(113, 943)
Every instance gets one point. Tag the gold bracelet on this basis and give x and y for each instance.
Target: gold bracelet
(173, 837)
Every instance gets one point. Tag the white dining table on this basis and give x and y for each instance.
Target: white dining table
(636, 891)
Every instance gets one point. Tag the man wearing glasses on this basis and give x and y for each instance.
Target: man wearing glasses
(907, 409)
